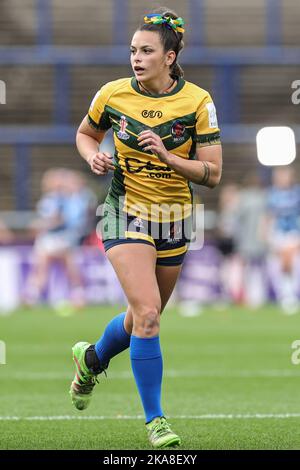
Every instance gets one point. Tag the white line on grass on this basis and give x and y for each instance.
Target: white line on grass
(140, 417)
(125, 375)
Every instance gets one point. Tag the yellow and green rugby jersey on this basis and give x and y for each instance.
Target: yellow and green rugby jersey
(182, 118)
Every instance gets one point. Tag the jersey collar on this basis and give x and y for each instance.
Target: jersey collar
(175, 90)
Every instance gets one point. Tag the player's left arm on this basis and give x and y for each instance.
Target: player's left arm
(206, 170)
(211, 159)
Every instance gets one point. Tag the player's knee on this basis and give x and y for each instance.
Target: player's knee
(146, 320)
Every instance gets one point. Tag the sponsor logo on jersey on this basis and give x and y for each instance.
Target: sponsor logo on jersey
(133, 165)
(138, 222)
(174, 233)
(122, 132)
(165, 176)
(151, 114)
(177, 131)
(212, 115)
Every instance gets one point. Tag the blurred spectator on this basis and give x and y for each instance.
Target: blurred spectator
(79, 207)
(8, 271)
(227, 218)
(6, 235)
(227, 226)
(66, 213)
(250, 241)
(283, 236)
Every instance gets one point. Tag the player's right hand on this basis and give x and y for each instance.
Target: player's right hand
(101, 163)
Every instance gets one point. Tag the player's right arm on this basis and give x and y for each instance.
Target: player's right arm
(88, 140)
(92, 131)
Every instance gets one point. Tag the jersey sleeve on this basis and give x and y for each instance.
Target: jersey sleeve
(207, 131)
(98, 115)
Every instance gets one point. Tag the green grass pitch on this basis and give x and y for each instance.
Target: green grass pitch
(229, 382)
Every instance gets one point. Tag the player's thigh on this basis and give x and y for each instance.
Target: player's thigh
(167, 277)
(166, 280)
(134, 264)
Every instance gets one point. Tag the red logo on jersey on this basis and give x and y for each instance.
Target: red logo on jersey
(177, 131)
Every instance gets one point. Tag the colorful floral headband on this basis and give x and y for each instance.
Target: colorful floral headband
(175, 24)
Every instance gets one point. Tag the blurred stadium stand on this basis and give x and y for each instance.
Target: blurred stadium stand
(55, 55)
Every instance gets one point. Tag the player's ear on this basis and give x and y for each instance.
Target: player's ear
(170, 57)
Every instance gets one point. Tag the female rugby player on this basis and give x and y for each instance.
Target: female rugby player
(166, 135)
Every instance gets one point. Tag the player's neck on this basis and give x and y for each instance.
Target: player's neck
(158, 87)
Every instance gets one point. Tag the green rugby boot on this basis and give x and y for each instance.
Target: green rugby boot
(85, 379)
(161, 435)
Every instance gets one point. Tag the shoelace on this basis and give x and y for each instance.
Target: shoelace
(88, 386)
(162, 428)
(91, 382)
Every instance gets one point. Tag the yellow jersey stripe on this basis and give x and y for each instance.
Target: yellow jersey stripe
(172, 252)
(139, 236)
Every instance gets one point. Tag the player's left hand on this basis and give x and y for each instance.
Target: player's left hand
(152, 142)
